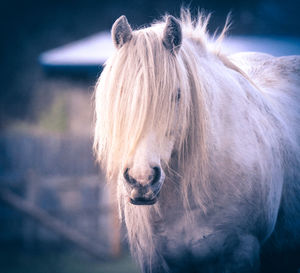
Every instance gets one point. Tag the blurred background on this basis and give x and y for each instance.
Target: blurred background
(56, 213)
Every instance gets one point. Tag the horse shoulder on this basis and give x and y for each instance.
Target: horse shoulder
(268, 71)
(289, 65)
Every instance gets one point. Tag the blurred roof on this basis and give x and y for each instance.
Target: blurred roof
(89, 54)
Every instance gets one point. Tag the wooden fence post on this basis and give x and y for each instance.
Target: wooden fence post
(31, 189)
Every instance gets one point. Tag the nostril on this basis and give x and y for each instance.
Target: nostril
(128, 178)
(150, 177)
(156, 175)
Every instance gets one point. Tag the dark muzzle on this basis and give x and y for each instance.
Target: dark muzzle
(143, 193)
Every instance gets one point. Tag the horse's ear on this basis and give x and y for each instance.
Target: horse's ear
(172, 36)
(121, 32)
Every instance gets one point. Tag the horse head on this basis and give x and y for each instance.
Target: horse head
(143, 174)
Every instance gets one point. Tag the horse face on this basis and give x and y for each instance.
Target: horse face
(144, 176)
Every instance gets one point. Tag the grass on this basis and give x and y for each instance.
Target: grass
(61, 262)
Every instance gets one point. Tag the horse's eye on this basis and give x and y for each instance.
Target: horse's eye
(178, 95)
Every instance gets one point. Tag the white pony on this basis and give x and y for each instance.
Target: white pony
(202, 148)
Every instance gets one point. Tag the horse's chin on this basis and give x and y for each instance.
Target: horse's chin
(143, 201)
